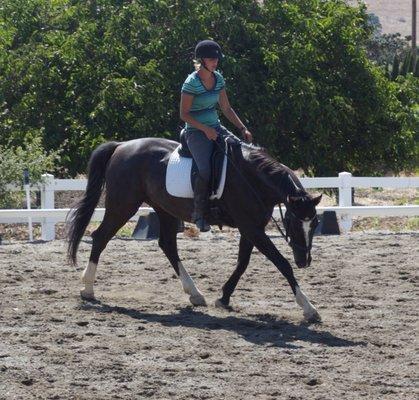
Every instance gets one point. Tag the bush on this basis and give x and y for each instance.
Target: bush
(13, 161)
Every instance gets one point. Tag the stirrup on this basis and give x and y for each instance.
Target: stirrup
(202, 225)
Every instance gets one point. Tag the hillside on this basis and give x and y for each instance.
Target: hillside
(395, 15)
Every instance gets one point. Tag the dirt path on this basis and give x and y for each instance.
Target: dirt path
(143, 340)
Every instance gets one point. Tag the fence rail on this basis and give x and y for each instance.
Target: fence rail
(48, 215)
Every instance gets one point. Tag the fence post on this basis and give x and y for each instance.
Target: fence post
(345, 199)
(47, 201)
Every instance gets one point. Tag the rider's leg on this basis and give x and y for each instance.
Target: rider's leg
(201, 148)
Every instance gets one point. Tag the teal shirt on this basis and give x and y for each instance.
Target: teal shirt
(204, 103)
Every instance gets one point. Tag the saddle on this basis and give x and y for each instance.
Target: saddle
(181, 173)
(217, 163)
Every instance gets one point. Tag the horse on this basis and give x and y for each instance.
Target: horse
(134, 172)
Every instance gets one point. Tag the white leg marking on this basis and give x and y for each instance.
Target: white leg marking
(195, 296)
(88, 278)
(310, 312)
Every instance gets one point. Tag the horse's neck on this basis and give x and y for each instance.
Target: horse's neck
(293, 187)
(274, 186)
(288, 185)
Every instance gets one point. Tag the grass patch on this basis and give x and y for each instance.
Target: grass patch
(412, 224)
(394, 224)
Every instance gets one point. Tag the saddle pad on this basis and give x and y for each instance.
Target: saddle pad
(178, 177)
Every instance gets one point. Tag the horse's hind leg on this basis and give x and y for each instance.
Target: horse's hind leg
(113, 220)
(168, 243)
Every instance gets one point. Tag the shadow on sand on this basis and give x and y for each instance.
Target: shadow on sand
(261, 329)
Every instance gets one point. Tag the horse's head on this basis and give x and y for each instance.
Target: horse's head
(300, 223)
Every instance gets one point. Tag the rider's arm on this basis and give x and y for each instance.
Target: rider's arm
(228, 111)
(185, 106)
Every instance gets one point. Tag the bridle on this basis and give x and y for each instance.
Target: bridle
(289, 215)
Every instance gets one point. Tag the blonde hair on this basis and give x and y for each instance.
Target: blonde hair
(197, 64)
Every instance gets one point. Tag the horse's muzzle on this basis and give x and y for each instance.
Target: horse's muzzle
(304, 263)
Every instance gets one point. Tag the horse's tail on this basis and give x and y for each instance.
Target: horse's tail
(81, 212)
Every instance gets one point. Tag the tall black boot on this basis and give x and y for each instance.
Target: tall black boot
(200, 203)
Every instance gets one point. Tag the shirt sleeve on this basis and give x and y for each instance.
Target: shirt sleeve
(188, 86)
(221, 82)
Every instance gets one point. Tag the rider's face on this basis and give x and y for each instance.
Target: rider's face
(211, 63)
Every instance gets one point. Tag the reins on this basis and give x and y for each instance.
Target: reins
(284, 235)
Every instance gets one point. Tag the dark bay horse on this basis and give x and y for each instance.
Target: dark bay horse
(134, 172)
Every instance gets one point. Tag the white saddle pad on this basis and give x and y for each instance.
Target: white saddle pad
(178, 177)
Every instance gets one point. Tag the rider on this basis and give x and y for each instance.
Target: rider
(201, 91)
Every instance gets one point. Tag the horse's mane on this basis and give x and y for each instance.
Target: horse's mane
(264, 162)
(267, 164)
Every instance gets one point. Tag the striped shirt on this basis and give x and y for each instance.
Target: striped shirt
(204, 101)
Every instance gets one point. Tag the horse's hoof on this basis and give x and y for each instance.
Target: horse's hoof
(87, 295)
(313, 318)
(198, 300)
(219, 304)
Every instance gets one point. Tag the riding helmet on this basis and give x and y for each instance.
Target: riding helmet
(208, 49)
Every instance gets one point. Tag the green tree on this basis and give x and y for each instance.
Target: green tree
(396, 68)
(84, 72)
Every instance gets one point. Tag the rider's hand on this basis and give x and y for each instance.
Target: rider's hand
(247, 136)
(211, 133)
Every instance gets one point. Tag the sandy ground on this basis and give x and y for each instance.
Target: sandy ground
(142, 339)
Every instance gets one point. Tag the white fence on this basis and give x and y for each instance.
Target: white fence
(48, 215)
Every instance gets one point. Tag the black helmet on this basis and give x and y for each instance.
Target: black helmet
(208, 49)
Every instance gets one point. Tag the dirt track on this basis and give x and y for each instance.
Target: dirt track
(143, 340)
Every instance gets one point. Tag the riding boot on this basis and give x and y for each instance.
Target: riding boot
(200, 203)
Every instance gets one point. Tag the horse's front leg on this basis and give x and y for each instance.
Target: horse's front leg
(245, 251)
(262, 242)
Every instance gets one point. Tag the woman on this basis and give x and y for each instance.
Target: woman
(201, 91)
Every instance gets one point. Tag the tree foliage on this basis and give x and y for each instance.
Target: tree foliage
(383, 47)
(87, 71)
(15, 159)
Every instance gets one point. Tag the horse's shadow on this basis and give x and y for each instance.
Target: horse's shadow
(262, 330)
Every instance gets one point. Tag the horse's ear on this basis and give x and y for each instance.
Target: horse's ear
(317, 200)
